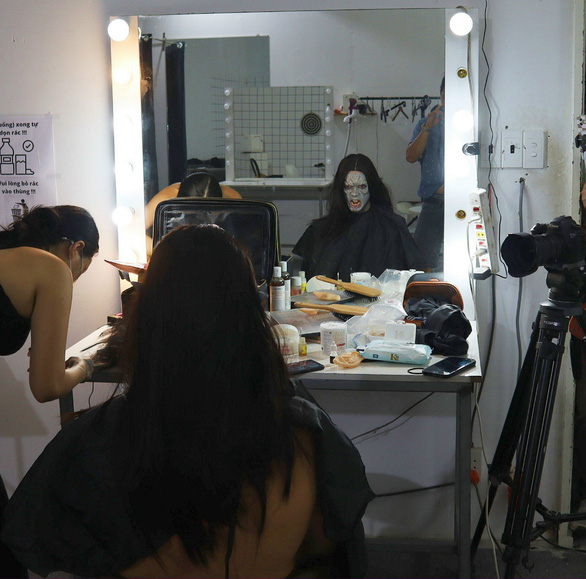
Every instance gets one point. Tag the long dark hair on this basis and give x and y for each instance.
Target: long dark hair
(206, 408)
(43, 227)
(339, 215)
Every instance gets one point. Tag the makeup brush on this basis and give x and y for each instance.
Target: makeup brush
(355, 290)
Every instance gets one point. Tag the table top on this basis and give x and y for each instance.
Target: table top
(369, 375)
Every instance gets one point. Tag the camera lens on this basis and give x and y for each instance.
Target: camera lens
(524, 253)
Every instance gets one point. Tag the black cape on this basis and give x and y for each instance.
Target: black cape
(68, 514)
(374, 241)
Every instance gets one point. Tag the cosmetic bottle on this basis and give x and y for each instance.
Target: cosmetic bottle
(302, 346)
(295, 285)
(287, 279)
(333, 352)
(277, 291)
(303, 281)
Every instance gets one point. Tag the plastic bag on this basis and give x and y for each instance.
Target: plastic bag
(394, 281)
(374, 321)
(399, 352)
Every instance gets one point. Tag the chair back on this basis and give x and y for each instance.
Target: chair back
(254, 224)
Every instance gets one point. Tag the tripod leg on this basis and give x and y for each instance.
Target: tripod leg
(531, 451)
(500, 467)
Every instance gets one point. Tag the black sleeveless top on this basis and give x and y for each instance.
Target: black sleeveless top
(14, 329)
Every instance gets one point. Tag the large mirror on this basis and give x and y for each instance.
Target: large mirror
(393, 56)
(384, 56)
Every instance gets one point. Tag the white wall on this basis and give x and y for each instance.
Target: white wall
(55, 59)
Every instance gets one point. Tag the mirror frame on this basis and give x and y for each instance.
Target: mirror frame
(461, 53)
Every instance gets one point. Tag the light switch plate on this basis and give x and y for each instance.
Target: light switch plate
(534, 149)
(511, 149)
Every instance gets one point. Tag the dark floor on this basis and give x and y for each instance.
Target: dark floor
(548, 562)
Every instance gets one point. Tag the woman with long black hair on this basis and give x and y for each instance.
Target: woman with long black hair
(361, 232)
(41, 254)
(209, 465)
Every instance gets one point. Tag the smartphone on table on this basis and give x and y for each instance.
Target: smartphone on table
(449, 367)
(304, 366)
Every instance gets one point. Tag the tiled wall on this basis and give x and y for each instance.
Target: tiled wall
(276, 114)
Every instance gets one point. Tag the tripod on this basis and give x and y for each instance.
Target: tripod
(527, 424)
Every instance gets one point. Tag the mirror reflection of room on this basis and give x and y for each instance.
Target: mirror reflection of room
(271, 71)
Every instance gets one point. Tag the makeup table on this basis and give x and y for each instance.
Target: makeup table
(384, 376)
(376, 376)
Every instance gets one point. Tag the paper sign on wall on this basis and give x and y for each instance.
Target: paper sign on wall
(27, 166)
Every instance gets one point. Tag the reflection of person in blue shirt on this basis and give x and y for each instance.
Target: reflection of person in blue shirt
(427, 147)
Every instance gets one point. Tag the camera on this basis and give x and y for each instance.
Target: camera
(555, 245)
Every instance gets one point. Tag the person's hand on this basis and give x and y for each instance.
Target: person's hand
(85, 363)
(433, 118)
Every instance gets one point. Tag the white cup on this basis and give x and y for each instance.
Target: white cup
(361, 277)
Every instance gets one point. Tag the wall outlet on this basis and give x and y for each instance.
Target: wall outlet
(476, 460)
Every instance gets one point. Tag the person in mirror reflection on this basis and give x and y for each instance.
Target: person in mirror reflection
(42, 254)
(427, 148)
(198, 184)
(361, 232)
(209, 464)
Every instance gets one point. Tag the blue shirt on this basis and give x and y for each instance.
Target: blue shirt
(432, 160)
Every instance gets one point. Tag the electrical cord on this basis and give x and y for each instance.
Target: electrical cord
(89, 400)
(375, 431)
(417, 490)
(520, 286)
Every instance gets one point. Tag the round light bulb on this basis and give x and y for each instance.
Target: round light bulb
(462, 121)
(227, 106)
(122, 216)
(328, 133)
(228, 148)
(228, 135)
(228, 120)
(227, 92)
(461, 23)
(118, 30)
(122, 75)
(328, 91)
(328, 119)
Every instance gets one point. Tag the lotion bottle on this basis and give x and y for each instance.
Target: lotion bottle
(287, 279)
(277, 291)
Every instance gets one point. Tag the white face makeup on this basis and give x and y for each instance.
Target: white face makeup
(356, 191)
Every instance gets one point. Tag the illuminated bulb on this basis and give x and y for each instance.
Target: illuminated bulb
(122, 75)
(227, 106)
(118, 30)
(227, 92)
(128, 255)
(228, 162)
(462, 121)
(328, 119)
(123, 124)
(228, 120)
(124, 170)
(328, 147)
(228, 135)
(122, 216)
(461, 23)
(328, 161)
(328, 133)
(328, 91)
(228, 148)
